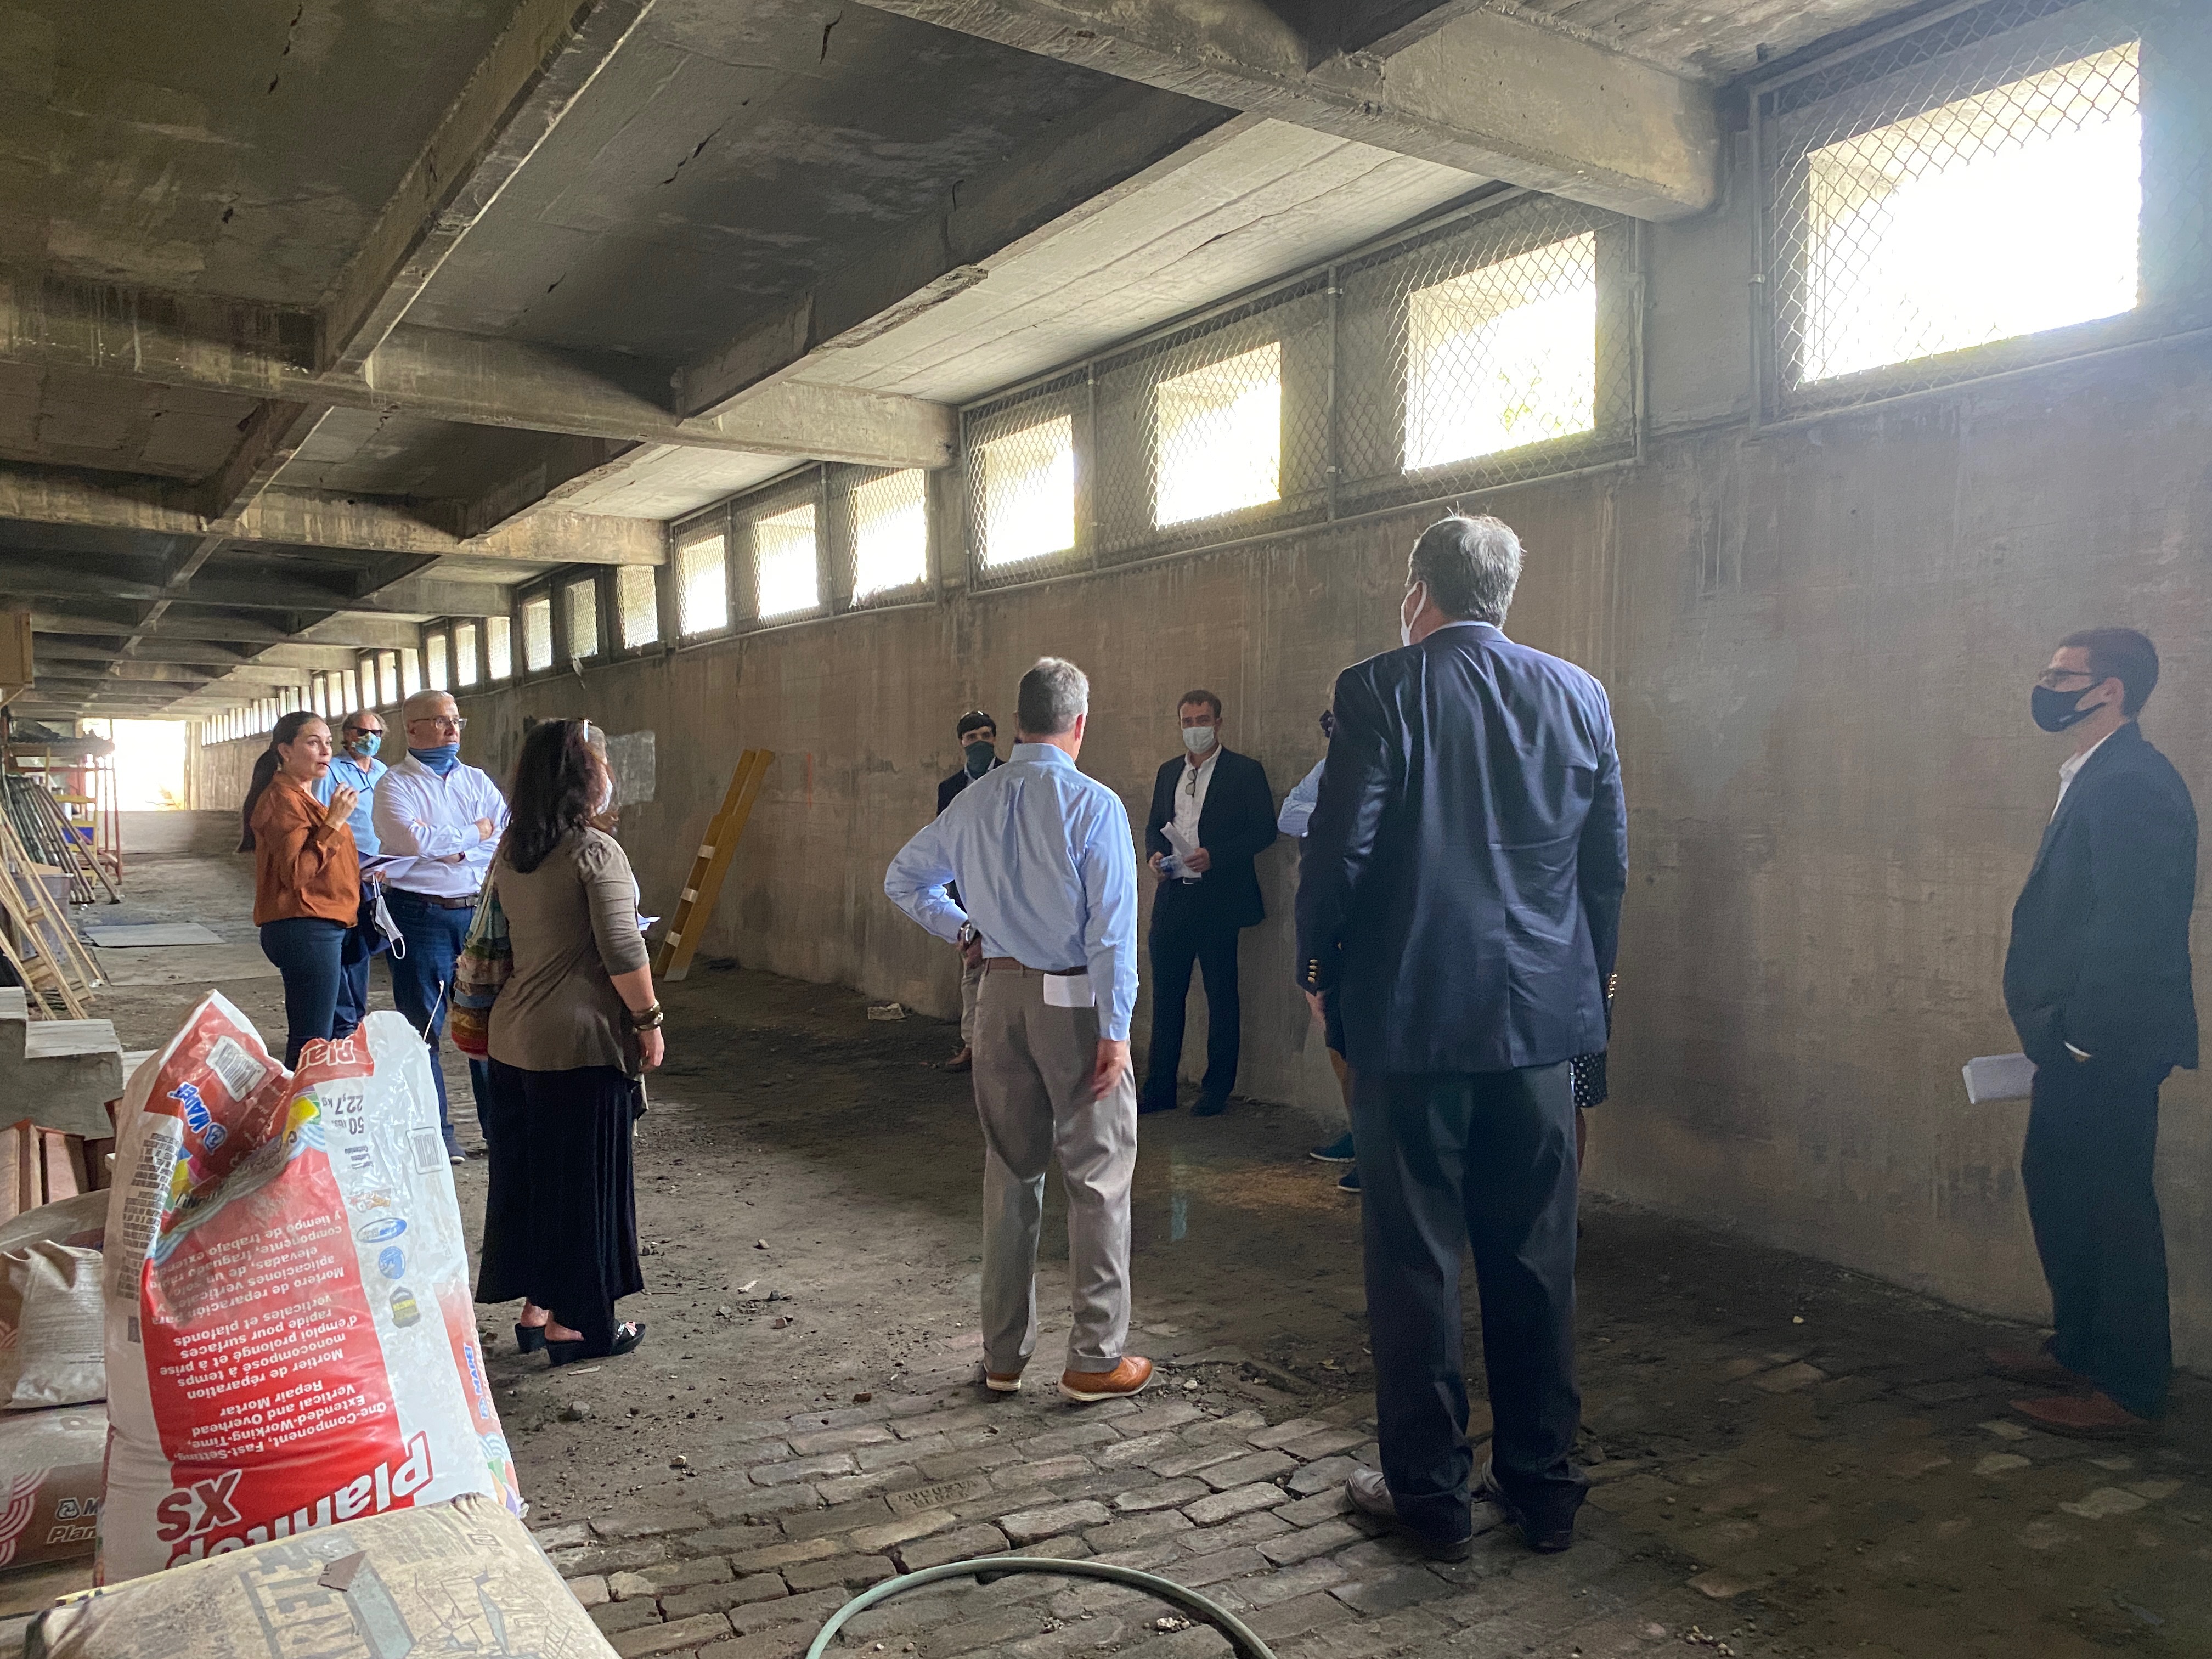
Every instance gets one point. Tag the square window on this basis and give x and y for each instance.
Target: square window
(499, 648)
(637, 597)
(465, 654)
(434, 652)
(579, 604)
(1503, 355)
(786, 575)
(702, 586)
(1027, 485)
(890, 534)
(1217, 438)
(2008, 213)
(537, 634)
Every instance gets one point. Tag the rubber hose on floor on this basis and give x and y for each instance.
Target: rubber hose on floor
(1241, 1635)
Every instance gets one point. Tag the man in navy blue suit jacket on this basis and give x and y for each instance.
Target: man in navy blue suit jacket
(1461, 890)
(2097, 980)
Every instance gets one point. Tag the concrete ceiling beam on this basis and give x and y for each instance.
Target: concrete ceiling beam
(1077, 163)
(321, 518)
(411, 595)
(1497, 94)
(47, 320)
(549, 52)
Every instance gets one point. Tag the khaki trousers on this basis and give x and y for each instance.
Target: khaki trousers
(971, 982)
(1033, 1067)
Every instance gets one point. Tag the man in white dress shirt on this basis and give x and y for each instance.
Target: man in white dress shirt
(444, 819)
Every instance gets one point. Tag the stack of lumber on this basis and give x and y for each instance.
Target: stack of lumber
(43, 1166)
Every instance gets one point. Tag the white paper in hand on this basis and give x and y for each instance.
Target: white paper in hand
(1183, 845)
(1998, 1077)
(1069, 991)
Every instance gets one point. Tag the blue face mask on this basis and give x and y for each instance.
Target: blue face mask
(442, 759)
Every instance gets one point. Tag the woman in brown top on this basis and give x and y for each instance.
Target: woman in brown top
(573, 1029)
(306, 874)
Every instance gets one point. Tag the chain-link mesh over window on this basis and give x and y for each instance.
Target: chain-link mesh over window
(884, 519)
(499, 648)
(538, 633)
(703, 584)
(2003, 187)
(1022, 480)
(637, 606)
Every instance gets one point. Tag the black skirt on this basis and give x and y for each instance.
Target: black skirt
(560, 1218)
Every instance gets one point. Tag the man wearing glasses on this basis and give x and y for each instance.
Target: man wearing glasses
(356, 766)
(443, 819)
(2097, 982)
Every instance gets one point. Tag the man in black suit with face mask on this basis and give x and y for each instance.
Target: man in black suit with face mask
(1212, 814)
(2097, 982)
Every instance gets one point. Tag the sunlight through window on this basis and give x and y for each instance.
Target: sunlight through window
(786, 576)
(1503, 356)
(498, 647)
(2001, 215)
(580, 608)
(638, 601)
(890, 534)
(702, 586)
(1029, 492)
(537, 634)
(1217, 440)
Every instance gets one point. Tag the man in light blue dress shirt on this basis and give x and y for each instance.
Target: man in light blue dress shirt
(355, 765)
(1046, 873)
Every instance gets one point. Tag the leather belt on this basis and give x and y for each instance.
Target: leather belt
(437, 903)
(1008, 965)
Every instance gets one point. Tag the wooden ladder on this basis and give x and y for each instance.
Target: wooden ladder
(710, 865)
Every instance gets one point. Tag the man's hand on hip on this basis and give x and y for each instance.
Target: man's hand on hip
(971, 952)
(1113, 1061)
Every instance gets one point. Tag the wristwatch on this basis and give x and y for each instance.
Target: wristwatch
(649, 1020)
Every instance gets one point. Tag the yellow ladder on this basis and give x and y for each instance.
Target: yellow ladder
(710, 865)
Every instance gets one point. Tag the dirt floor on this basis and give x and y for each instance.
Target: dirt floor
(1795, 1460)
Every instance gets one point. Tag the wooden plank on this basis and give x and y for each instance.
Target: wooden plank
(30, 1179)
(11, 1175)
(54, 1159)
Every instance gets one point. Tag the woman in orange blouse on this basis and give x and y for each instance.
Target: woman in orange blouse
(307, 873)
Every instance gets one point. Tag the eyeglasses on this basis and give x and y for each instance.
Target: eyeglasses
(443, 722)
(2050, 677)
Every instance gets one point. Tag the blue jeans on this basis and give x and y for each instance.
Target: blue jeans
(353, 995)
(305, 952)
(423, 982)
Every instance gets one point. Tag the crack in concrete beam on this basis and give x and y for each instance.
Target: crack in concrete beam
(1496, 94)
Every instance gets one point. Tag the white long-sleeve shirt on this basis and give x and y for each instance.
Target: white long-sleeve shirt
(422, 816)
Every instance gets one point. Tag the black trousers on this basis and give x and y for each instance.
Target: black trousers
(1186, 932)
(2092, 1140)
(1486, 1159)
(561, 1215)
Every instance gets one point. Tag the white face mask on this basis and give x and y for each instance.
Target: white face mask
(1198, 738)
(1407, 610)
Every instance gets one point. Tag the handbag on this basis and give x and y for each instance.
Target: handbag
(480, 973)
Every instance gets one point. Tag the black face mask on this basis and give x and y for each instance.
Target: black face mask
(2054, 711)
(980, 757)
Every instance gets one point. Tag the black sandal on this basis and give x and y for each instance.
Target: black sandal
(529, 1339)
(628, 1335)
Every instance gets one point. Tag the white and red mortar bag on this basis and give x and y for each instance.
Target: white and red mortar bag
(291, 1340)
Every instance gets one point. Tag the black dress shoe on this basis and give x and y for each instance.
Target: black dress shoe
(1210, 1106)
(1371, 1495)
(1546, 1538)
(1146, 1108)
(628, 1335)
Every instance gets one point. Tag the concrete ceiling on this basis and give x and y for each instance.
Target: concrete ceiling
(320, 315)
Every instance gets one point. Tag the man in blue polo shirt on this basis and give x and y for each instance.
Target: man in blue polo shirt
(355, 765)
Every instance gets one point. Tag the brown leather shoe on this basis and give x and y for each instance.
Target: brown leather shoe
(2031, 1365)
(2097, 1416)
(1083, 1386)
(962, 1060)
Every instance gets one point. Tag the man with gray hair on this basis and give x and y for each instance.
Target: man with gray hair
(1461, 890)
(1046, 876)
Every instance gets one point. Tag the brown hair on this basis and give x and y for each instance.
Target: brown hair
(1203, 695)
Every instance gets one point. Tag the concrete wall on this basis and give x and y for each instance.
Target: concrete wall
(1819, 640)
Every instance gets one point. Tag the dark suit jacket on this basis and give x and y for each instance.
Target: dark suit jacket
(2100, 955)
(951, 787)
(1464, 873)
(1236, 826)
